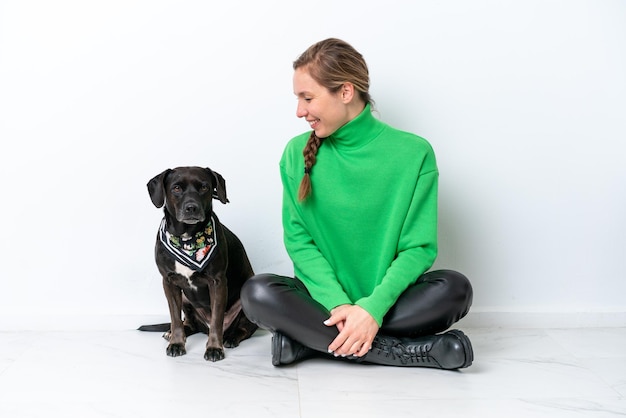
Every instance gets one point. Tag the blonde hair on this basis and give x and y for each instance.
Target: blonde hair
(331, 63)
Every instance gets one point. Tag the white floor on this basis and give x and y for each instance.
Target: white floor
(517, 372)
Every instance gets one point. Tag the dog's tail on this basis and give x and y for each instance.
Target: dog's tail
(155, 327)
(166, 328)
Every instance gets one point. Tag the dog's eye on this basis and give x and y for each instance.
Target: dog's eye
(204, 187)
(177, 189)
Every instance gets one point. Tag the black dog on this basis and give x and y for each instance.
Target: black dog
(202, 262)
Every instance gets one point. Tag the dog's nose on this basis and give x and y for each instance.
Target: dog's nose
(191, 208)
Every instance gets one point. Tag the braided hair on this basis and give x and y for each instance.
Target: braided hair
(310, 157)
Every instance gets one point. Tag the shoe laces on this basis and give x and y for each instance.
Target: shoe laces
(419, 353)
(412, 353)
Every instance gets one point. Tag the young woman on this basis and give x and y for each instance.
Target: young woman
(360, 225)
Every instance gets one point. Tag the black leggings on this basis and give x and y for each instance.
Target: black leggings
(436, 301)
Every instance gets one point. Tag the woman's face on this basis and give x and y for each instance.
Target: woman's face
(323, 110)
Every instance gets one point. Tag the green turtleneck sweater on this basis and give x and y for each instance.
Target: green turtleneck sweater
(369, 228)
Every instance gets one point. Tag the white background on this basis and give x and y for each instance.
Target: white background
(523, 101)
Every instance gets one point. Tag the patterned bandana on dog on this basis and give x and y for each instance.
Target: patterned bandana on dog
(193, 252)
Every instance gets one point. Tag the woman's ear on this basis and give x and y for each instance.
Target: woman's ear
(347, 92)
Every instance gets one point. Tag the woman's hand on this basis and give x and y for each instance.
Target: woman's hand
(357, 329)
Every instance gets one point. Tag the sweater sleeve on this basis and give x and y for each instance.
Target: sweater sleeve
(309, 263)
(417, 249)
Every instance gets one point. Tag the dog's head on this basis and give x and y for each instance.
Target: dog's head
(187, 192)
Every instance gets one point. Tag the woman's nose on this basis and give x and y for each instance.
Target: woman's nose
(300, 111)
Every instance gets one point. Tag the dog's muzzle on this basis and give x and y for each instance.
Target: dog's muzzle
(190, 213)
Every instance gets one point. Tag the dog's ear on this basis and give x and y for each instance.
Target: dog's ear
(156, 189)
(219, 192)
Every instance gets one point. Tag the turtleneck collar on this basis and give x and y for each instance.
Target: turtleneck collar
(358, 132)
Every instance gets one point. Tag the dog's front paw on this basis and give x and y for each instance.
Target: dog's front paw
(175, 350)
(214, 354)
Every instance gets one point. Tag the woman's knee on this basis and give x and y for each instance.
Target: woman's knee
(455, 282)
(454, 287)
(256, 288)
(271, 301)
(459, 283)
(256, 299)
(460, 290)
